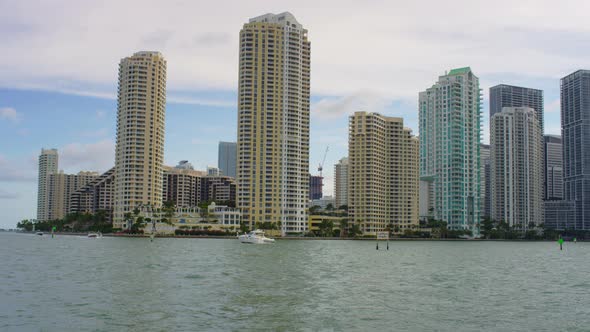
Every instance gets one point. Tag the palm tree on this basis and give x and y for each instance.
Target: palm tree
(327, 228)
(355, 230)
(343, 227)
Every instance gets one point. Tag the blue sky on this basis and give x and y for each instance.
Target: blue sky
(58, 70)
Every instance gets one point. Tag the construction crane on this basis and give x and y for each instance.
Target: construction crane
(321, 166)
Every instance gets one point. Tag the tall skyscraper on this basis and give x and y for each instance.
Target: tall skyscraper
(48, 164)
(485, 176)
(553, 167)
(226, 158)
(517, 167)
(575, 129)
(341, 182)
(450, 132)
(316, 186)
(504, 95)
(273, 122)
(383, 178)
(141, 115)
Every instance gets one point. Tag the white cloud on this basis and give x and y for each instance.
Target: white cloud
(331, 108)
(17, 170)
(10, 114)
(393, 47)
(8, 195)
(99, 156)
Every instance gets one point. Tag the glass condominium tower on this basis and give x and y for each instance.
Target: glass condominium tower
(226, 158)
(575, 129)
(450, 119)
(504, 95)
(140, 134)
(273, 122)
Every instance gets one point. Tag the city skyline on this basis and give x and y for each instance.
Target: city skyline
(33, 106)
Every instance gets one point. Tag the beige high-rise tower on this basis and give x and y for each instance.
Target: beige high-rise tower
(140, 133)
(517, 167)
(383, 173)
(273, 122)
(341, 182)
(48, 163)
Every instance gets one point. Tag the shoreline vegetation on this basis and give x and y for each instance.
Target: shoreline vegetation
(138, 235)
(328, 228)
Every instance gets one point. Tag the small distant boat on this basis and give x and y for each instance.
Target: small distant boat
(39, 233)
(95, 235)
(255, 237)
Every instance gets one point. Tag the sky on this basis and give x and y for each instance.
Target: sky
(59, 61)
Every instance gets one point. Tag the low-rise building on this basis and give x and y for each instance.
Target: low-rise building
(315, 221)
(96, 195)
(218, 189)
(225, 215)
(182, 185)
(217, 217)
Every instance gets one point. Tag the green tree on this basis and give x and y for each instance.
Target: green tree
(343, 227)
(487, 227)
(354, 230)
(326, 228)
(169, 209)
(314, 209)
(25, 224)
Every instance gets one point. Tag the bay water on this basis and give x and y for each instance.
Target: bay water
(73, 283)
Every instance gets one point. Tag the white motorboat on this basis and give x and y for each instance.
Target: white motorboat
(256, 237)
(39, 233)
(95, 235)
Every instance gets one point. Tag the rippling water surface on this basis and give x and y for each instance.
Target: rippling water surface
(74, 283)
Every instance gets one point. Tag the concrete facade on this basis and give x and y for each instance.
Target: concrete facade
(517, 168)
(48, 164)
(450, 132)
(182, 186)
(141, 115)
(60, 188)
(341, 182)
(97, 195)
(485, 176)
(383, 175)
(273, 122)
